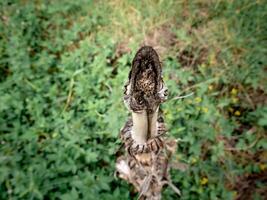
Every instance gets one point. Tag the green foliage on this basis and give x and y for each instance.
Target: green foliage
(63, 65)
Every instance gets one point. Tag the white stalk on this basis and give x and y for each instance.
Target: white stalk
(140, 127)
(153, 124)
(144, 126)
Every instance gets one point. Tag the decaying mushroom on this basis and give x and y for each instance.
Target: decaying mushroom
(146, 162)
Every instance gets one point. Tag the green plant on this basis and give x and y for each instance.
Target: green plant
(63, 64)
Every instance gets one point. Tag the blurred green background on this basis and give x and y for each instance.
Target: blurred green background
(63, 65)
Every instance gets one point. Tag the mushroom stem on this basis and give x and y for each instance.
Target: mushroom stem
(152, 124)
(140, 127)
(144, 126)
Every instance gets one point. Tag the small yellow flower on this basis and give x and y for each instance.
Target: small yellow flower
(262, 166)
(234, 100)
(210, 87)
(234, 91)
(204, 181)
(205, 109)
(198, 99)
(193, 161)
(237, 113)
(202, 65)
